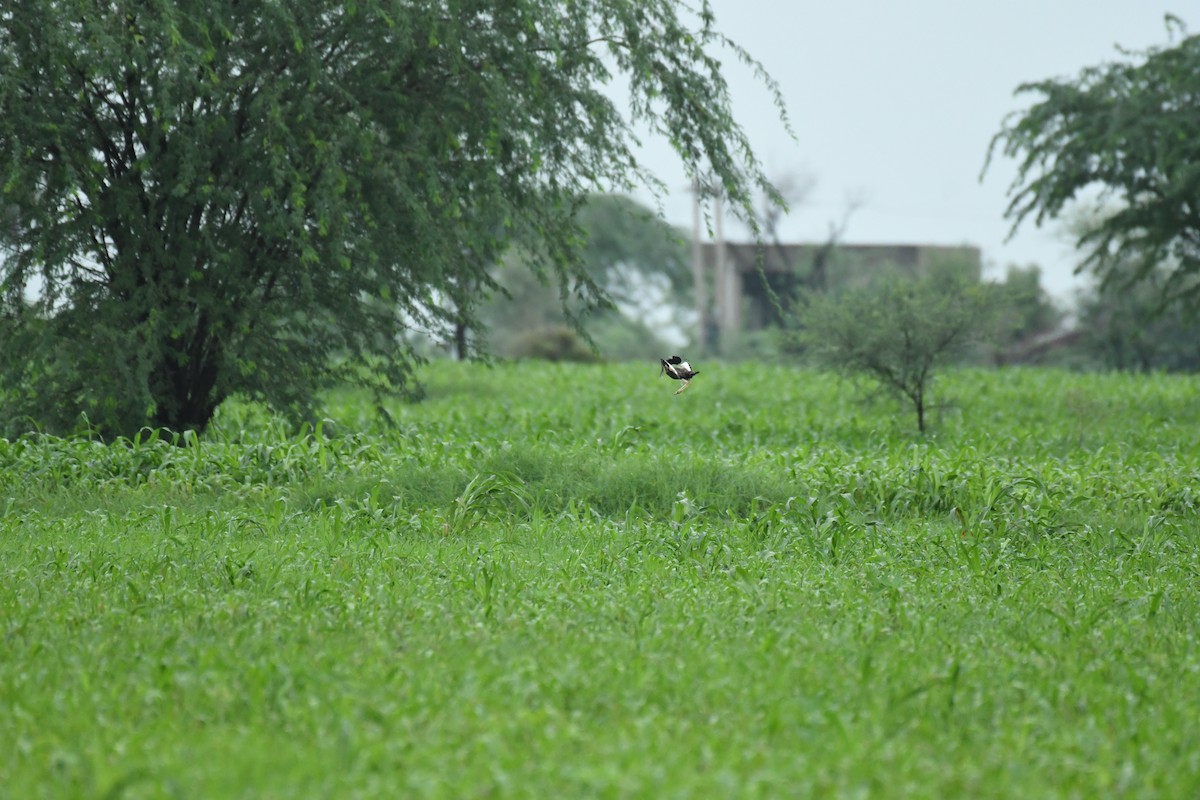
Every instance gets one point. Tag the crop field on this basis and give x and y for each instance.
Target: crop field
(563, 581)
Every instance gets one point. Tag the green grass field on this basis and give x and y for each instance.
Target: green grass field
(563, 581)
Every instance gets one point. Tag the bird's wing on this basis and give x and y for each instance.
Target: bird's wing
(675, 360)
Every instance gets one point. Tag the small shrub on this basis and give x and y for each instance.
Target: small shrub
(552, 343)
(897, 332)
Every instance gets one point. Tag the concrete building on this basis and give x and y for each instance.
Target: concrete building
(734, 272)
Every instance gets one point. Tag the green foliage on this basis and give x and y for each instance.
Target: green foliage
(551, 343)
(522, 303)
(484, 498)
(1021, 311)
(559, 580)
(1132, 129)
(1128, 327)
(627, 245)
(629, 252)
(633, 254)
(204, 199)
(896, 331)
(619, 338)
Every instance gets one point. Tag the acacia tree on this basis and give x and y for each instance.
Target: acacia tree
(209, 197)
(898, 331)
(1132, 130)
(1128, 328)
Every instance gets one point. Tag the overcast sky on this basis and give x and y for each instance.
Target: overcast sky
(894, 104)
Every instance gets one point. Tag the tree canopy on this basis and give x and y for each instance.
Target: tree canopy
(640, 262)
(897, 331)
(627, 243)
(1131, 130)
(210, 197)
(1128, 329)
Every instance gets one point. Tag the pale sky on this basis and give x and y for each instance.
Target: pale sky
(895, 102)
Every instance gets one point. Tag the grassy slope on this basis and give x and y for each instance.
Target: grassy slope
(552, 580)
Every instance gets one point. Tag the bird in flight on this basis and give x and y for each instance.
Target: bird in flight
(675, 367)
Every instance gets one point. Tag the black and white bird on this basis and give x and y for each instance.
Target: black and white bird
(675, 367)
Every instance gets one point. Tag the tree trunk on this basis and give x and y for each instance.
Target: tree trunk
(184, 384)
(460, 340)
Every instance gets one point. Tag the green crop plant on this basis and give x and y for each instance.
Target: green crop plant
(519, 587)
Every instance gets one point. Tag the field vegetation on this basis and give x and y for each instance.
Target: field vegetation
(560, 580)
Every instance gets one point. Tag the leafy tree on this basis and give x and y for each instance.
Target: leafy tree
(1021, 312)
(552, 343)
(1132, 130)
(644, 265)
(897, 331)
(627, 245)
(521, 304)
(1129, 328)
(212, 197)
(1124, 323)
(641, 263)
(528, 319)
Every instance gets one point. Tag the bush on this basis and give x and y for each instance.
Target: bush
(552, 343)
(897, 331)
